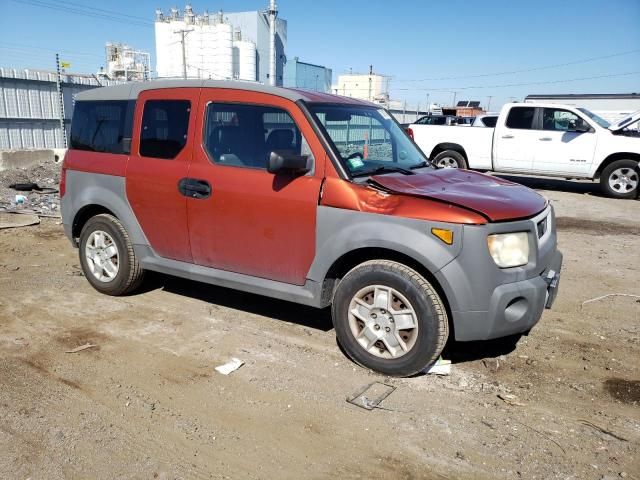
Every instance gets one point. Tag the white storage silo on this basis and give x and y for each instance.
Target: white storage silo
(225, 51)
(236, 59)
(209, 46)
(247, 60)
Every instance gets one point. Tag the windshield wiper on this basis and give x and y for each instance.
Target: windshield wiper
(382, 169)
(422, 164)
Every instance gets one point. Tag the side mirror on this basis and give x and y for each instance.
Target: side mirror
(579, 126)
(285, 161)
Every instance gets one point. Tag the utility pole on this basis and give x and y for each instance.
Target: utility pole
(61, 101)
(454, 98)
(428, 105)
(183, 33)
(273, 13)
(489, 103)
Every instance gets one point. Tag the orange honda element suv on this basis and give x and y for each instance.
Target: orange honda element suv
(308, 197)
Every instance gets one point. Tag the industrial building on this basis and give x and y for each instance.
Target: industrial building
(299, 74)
(125, 63)
(30, 108)
(371, 87)
(222, 46)
(610, 106)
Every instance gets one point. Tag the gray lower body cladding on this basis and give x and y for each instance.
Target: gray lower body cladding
(484, 301)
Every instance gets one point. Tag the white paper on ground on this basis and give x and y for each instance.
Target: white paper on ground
(231, 366)
(441, 367)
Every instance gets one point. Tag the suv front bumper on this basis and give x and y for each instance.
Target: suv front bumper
(488, 302)
(513, 308)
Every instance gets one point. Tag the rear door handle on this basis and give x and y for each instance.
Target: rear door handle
(545, 139)
(507, 136)
(194, 188)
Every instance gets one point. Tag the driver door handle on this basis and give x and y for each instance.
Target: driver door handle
(194, 188)
(507, 136)
(545, 139)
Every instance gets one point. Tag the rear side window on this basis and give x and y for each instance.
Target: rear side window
(245, 135)
(165, 124)
(102, 126)
(521, 118)
(490, 121)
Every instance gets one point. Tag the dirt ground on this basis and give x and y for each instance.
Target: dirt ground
(147, 403)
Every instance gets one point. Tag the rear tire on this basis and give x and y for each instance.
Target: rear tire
(450, 159)
(389, 318)
(620, 179)
(107, 258)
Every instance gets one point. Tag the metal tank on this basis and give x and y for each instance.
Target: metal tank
(247, 60)
(225, 51)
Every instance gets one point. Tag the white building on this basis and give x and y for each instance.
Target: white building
(372, 87)
(610, 106)
(219, 46)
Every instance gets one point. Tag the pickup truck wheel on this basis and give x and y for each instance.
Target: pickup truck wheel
(450, 159)
(620, 179)
(107, 258)
(389, 318)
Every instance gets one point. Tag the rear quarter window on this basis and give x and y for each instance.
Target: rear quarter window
(521, 118)
(102, 126)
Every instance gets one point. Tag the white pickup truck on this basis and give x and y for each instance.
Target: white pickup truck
(542, 139)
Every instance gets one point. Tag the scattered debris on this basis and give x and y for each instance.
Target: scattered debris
(542, 434)
(231, 366)
(379, 391)
(609, 295)
(32, 187)
(7, 220)
(511, 400)
(492, 364)
(20, 199)
(81, 348)
(602, 430)
(441, 367)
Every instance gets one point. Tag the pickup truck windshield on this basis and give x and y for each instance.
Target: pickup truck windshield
(367, 139)
(599, 120)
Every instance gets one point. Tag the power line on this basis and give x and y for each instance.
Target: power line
(525, 70)
(474, 87)
(30, 50)
(88, 12)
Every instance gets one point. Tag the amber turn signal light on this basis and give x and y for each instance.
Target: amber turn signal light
(445, 235)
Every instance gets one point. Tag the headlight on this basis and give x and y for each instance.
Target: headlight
(509, 249)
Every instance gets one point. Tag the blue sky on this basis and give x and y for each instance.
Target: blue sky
(433, 47)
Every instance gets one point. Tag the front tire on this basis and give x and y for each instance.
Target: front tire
(449, 159)
(389, 318)
(620, 179)
(107, 258)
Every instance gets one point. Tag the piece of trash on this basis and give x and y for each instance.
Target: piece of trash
(371, 396)
(8, 220)
(441, 367)
(25, 187)
(511, 400)
(81, 348)
(492, 364)
(20, 199)
(607, 296)
(602, 430)
(231, 366)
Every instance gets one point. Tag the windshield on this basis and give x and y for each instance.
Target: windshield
(599, 120)
(367, 139)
